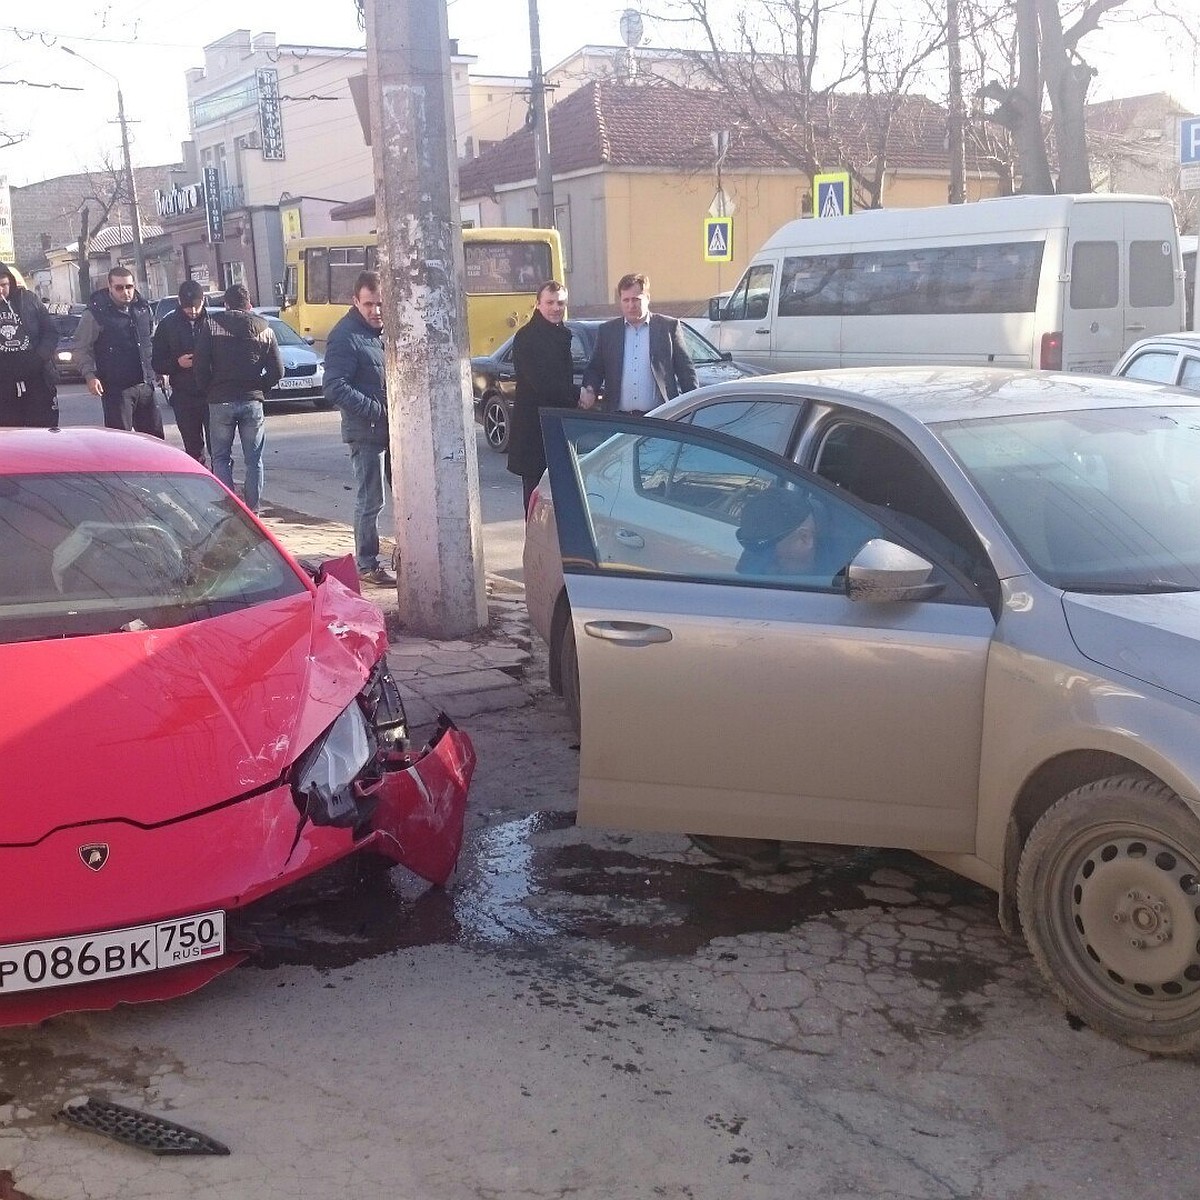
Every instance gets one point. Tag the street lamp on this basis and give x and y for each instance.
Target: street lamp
(135, 223)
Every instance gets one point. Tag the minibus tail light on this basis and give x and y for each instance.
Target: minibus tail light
(1052, 351)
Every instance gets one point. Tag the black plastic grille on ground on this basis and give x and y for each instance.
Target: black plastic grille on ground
(143, 1130)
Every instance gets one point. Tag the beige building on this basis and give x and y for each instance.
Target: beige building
(634, 180)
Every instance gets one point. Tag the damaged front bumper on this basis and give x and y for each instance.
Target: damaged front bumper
(406, 805)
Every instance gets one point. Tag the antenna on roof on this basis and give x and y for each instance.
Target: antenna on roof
(631, 35)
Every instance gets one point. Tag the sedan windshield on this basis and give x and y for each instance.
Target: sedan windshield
(285, 335)
(1100, 501)
(86, 554)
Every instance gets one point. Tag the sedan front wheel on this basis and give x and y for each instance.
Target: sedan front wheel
(1109, 896)
(496, 423)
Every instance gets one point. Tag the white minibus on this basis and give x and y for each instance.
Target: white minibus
(1057, 282)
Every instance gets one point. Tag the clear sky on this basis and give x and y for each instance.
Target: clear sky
(150, 43)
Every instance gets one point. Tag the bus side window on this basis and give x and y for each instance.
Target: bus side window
(316, 275)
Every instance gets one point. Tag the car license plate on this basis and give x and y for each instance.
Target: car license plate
(296, 381)
(25, 966)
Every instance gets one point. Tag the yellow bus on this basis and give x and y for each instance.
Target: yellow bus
(504, 269)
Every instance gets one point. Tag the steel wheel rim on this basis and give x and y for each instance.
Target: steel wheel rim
(495, 423)
(1125, 905)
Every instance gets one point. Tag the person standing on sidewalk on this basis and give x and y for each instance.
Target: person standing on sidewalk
(354, 381)
(640, 360)
(545, 378)
(174, 356)
(28, 340)
(237, 361)
(114, 341)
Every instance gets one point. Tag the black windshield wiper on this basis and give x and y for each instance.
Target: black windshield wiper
(1148, 587)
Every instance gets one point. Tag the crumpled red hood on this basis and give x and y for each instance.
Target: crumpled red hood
(150, 726)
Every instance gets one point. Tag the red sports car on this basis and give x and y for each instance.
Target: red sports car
(191, 722)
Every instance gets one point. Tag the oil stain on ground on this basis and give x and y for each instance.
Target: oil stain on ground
(512, 891)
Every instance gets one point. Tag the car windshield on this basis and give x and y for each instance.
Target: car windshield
(285, 335)
(86, 554)
(701, 351)
(1099, 501)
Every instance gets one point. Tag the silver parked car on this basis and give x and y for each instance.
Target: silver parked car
(1165, 358)
(950, 610)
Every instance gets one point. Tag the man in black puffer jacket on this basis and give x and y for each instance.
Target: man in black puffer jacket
(114, 345)
(237, 362)
(174, 356)
(28, 341)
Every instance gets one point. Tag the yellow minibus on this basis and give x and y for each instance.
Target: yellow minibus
(503, 270)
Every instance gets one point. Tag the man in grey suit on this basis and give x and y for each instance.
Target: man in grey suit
(640, 360)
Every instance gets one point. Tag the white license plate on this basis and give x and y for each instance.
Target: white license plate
(289, 382)
(25, 966)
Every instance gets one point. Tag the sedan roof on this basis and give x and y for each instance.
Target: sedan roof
(929, 395)
(91, 450)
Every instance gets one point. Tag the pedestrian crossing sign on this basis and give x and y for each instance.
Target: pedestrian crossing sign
(718, 239)
(831, 194)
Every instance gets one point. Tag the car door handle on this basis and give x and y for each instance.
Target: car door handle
(627, 537)
(767, 330)
(1135, 328)
(628, 633)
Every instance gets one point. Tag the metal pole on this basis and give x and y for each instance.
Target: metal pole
(543, 170)
(435, 473)
(956, 141)
(135, 221)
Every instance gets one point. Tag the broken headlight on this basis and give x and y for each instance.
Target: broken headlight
(325, 774)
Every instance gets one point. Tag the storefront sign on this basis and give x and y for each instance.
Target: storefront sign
(200, 274)
(7, 251)
(213, 214)
(270, 119)
(178, 200)
(289, 218)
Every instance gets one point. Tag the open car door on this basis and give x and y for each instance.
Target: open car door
(744, 679)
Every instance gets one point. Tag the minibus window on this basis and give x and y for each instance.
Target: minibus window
(1094, 282)
(1151, 274)
(316, 275)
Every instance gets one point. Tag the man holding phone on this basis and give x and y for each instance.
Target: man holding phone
(174, 358)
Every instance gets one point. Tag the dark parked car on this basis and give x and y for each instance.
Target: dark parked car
(65, 357)
(493, 380)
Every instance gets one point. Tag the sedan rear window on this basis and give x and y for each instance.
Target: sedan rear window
(96, 553)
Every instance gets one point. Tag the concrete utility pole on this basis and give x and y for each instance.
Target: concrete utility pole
(135, 220)
(543, 171)
(435, 475)
(955, 128)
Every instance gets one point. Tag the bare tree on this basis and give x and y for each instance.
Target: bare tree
(824, 83)
(107, 189)
(1049, 36)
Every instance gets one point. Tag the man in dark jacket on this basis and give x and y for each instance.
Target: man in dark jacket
(113, 340)
(354, 381)
(28, 341)
(640, 360)
(545, 378)
(237, 361)
(174, 356)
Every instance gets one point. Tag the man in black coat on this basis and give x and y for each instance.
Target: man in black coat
(114, 342)
(640, 360)
(174, 356)
(545, 378)
(28, 341)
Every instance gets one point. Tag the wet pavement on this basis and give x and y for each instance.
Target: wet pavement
(600, 1015)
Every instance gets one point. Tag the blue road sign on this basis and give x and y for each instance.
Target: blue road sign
(1189, 142)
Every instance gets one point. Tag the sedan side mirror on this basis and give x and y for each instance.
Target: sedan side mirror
(312, 341)
(882, 572)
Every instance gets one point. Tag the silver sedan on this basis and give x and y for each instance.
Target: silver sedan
(956, 611)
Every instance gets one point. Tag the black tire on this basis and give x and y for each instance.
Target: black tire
(568, 675)
(1109, 896)
(496, 423)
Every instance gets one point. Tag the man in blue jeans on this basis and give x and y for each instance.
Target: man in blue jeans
(237, 360)
(354, 382)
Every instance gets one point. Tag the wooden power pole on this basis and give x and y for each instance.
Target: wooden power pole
(435, 474)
